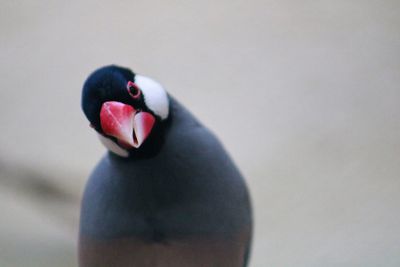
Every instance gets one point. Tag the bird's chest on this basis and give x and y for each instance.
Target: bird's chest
(159, 215)
(167, 227)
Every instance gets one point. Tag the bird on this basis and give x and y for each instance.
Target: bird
(166, 193)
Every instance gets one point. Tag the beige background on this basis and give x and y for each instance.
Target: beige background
(304, 94)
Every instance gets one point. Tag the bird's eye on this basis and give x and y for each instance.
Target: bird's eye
(133, 90)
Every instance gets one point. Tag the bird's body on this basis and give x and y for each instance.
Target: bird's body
(184, 206)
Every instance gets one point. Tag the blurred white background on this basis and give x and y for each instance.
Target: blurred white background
(304, 94)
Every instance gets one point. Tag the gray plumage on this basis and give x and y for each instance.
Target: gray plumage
(187, 206)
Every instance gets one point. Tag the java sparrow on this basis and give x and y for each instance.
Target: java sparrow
(166, 193)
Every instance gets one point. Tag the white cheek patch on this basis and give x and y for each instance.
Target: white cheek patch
(155, 97)
(113, 147)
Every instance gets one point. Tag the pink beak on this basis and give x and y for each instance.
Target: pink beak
(125, 123)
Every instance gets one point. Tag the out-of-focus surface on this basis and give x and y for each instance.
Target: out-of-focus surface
(304, 94)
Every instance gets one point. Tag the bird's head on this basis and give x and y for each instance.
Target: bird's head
(127, 110)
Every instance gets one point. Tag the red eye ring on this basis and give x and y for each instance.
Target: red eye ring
(133, 90)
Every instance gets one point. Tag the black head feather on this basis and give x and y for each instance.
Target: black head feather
(109, 83)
